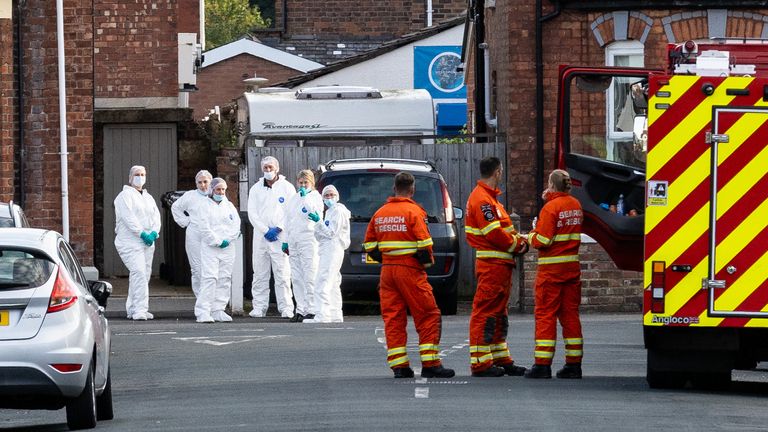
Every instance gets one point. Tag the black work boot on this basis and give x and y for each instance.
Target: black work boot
(513, 370)
(297, 318)
(309, 316)
(493, 371)
(570, 371)
(405, 372)
(539, 371)
(437, 372)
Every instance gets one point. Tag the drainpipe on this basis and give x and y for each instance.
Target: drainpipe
(429, 13)
(478, 14)
(62, 120)
(540, 97)
(487, 88)
(20, 74)
(202, 24)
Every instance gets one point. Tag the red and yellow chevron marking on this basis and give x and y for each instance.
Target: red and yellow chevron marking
(678, 233)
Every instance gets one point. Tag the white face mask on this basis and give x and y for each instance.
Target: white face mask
(269, 175)
(139, 181)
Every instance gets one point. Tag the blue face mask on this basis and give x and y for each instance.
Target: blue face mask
(203, 193)
(329, 202)
(218, 198)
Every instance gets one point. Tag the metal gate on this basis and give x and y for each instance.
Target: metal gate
(458, 163)
(151, 145)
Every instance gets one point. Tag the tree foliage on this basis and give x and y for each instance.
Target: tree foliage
(228, 20)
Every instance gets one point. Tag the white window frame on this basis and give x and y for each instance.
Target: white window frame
(617, 49)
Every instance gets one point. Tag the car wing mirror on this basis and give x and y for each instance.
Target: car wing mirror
(101, 291)
(458, 213)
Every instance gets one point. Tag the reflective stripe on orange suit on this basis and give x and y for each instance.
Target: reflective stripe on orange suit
(397, 229)
(558, 280)
(490, 232)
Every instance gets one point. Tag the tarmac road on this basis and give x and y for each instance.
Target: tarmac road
(251, 375)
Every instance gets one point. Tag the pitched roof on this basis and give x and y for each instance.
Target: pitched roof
(257, 49)
(373, 53)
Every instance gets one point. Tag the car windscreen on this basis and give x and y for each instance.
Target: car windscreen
(364, 193)
(22, 269)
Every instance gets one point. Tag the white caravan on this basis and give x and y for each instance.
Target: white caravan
(336, 116)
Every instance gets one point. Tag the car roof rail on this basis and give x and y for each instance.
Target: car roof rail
(427, 165)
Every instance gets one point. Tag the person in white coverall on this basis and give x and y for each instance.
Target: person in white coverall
(332, 233)
(266, 211)
(137, 226)
(188, 211)
(301, 244)
(219, 229)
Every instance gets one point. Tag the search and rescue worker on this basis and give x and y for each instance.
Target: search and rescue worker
(557, 236)
(266, 211)
(490, 232)
(399, 238)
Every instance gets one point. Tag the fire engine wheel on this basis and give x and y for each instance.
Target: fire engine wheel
(664, 379)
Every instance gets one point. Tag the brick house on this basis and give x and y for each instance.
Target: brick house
(122, 82)
(523, 77)
(220, 79)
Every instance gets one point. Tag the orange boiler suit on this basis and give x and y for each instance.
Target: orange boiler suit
(490, 232)
(557, 291)
(398, 229)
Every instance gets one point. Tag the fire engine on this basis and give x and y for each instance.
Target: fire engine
(684, 151)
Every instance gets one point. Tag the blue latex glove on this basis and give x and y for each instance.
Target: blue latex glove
(147, 238)
(271, 234)
(154, 235)
(303, 192)
(314, 217)
(224, 243)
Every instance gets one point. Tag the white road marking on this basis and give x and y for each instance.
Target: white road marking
(207, 340)
(145, 333)
(421, 393)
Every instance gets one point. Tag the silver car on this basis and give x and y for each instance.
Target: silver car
(54, 337)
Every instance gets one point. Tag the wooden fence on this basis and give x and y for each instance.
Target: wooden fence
(458, 164)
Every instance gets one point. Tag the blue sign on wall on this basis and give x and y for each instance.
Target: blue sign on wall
(435, 69)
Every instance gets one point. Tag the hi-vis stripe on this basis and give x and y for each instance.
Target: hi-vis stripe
(678, 232)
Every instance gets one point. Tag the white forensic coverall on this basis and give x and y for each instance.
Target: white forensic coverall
(302, 244)
(136, 212)
(266, 209)
(333, 235)
(221, 222)
(192, 202)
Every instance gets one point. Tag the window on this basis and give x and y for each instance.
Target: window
(621, 108)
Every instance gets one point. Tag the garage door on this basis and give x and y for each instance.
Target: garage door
(151, 145)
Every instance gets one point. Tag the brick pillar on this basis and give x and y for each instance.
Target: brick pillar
(42, 166)
(7, 101)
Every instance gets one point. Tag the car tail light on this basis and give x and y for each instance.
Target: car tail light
(64, 293)
(657, 286)
(448, 264)
(67, 367)
(447, 204)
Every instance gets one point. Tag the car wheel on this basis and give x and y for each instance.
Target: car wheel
(104, 400)
(81, 411)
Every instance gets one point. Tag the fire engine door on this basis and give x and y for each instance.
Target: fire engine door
(738, 243)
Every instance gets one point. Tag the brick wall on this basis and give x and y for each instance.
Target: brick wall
(222, 82)
(350, 19)
(135, 47)
(603, 287)
(7, 109)
(188, 16)
(42, 169)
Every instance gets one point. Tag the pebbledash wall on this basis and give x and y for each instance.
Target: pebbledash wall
(578, 36)
(121, 58)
